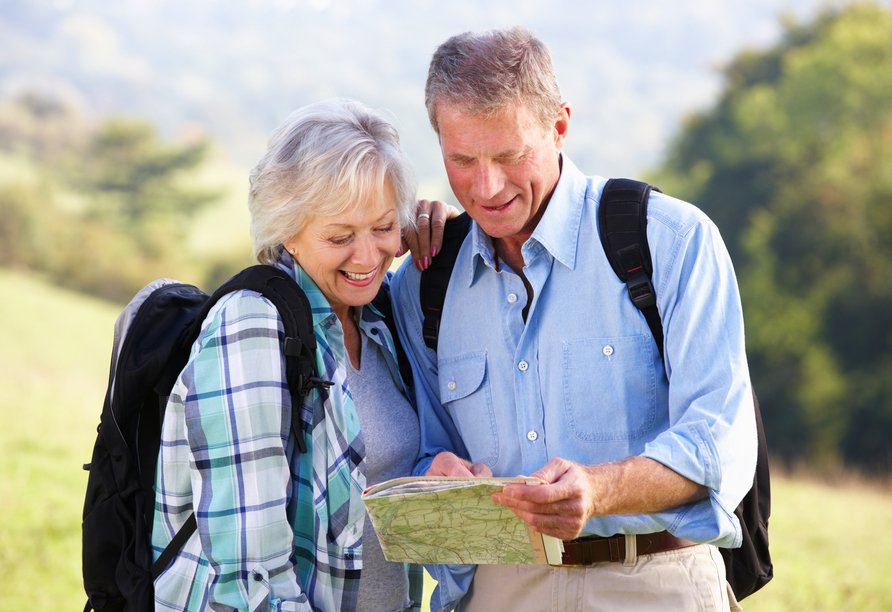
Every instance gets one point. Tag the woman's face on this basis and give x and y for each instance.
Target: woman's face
(347, 255)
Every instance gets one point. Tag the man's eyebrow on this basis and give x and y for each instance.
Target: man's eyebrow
(459, 157)
(513, 153)
(508, 153)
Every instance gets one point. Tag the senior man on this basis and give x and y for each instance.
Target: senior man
(546, 368)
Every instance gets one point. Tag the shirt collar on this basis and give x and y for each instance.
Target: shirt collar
(557, 231)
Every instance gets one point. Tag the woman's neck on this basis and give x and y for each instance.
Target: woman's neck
(352, 341)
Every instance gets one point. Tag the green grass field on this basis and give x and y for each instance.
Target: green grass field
(832, 545)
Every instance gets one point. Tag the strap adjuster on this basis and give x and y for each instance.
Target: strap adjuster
(430, 329)
(641, 290)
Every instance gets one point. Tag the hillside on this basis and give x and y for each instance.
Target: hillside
(54, 352)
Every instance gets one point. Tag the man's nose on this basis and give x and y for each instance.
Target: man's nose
(488, 182)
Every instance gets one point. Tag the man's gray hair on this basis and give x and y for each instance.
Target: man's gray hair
(325, 159)
(482, 74)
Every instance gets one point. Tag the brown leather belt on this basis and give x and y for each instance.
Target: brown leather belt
(594, 549)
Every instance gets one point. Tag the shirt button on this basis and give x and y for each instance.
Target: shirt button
(608, 350)
(531, 436)
(512, 298)
(451, 385)
(522, 366)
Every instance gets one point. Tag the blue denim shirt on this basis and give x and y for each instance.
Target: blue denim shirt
(582, 378)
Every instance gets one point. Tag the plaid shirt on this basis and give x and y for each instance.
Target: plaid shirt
(277, 530)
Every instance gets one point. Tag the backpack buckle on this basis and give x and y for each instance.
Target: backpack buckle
(431, 330)
(641, 290)
(308, 383)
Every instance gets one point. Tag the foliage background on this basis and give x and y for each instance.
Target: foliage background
(794, 164)
(123, 158)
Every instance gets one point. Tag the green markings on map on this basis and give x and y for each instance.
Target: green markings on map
(452, 520)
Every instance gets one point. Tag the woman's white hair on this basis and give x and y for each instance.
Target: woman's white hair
(326, 159)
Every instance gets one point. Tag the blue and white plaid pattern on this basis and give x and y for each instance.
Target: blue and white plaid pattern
(227, 455)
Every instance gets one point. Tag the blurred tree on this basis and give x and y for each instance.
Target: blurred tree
(794, 164)
(126, 161)
(40, 127)
(99, 209)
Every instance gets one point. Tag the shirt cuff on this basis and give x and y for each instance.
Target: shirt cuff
(422, 466)
(689, 450)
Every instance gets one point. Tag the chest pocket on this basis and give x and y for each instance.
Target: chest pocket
(609, 388)
(465, 392)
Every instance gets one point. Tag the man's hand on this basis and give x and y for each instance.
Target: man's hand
(559, 508)
(426, 240)
(574, 493)
(448, 464)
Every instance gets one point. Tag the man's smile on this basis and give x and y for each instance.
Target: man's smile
(501, 207)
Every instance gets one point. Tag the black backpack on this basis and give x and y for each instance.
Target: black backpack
(153, 339)
(622, 222)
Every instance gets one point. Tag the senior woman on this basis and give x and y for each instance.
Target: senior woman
(277, 529)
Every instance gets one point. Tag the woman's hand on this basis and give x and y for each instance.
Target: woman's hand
(425, 242)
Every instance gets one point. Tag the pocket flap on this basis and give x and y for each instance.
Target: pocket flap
(460, 376)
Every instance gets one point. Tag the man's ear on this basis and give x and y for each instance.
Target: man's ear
(562, 126)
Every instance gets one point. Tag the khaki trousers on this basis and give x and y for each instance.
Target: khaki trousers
(687, 579)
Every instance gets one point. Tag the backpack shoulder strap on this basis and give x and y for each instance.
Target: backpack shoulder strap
(297, 319)
(622, 225)
(435, 280)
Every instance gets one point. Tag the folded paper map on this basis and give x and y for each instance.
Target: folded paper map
(437, 519)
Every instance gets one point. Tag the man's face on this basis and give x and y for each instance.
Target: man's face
(502, 168)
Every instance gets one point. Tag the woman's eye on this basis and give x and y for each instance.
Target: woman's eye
(339, 240)
(387, 228)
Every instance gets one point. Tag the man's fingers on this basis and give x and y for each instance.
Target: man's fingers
(522, 498)
(536, 494)
(563, 520)
(559, 484)
(561, 527)
(482, 470)
(554, 470)
(448, 464)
